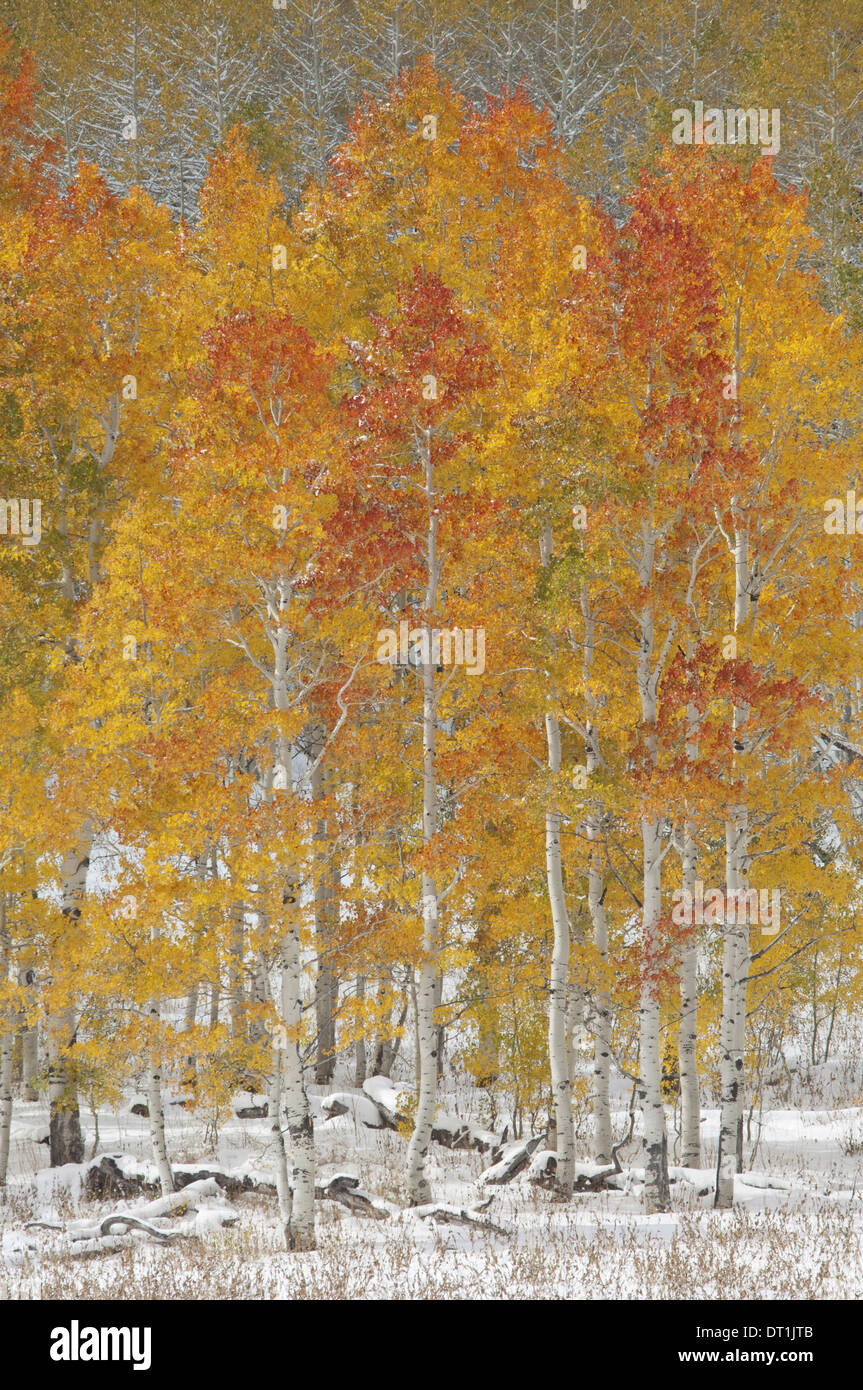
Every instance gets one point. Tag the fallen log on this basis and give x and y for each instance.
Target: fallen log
(362, 1109)
(387, 1096)
(127, 1222)
(344, 1188)
(510, 1160)
(454, 1133)
(543, 1168)
(445, 1215)
(114, 1175)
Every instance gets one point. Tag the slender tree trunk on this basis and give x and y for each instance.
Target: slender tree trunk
(656, 1186)
(360, 1044)
(29, 1033)
(260, 994)
(382, 1058)
(300, 1232)
(735, 957)
(189, 1017)
(441, 1030)
(191, 1009)
(735, 968)
(558, 1051)
(235, 970)
(155, 1107)
(488, 1054)
(29, 1063)
(326, 983)
(418, 1186)
(690, 1097)
(419, 1191)
(559, 1022)
(602, 1136)
(280, 1157)
(7, 1040)
(66, 1140)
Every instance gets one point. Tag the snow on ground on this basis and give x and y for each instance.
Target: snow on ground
(795, 1231)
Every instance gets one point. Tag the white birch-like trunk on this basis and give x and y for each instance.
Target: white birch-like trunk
(326, 982)
(29, 1033)
(419, 1191)
(560, 1013)
(558, 1040)
(656, 1188)
(191, 1009)
(156, 1109)
(7, 1039)
(735, 967)
(300, 1230)
(154, 1095)
(690, 1094)
(29, 1063)
(259, 996)
(687, 1040)
(735, 955)
(602, 1136)
(66, 1139)
(360, 1064)
(280, 1157)
(235, 968)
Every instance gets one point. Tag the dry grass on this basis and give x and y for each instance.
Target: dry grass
(797, 1253)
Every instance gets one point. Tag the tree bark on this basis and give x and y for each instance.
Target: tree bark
(326, 983)
(29, 1041)
(656, 1186)
(66, 1140)
(157, 1113)
(735, 955)
(235, 969)
(735, 962)
(687, 1056)
(360, 1044)
(602, 1136)
(441, 1030)
(558, 1050)
(7, 1040)
(690, 1096)
(280, 1157)
(419, 1191)
(300, 1230)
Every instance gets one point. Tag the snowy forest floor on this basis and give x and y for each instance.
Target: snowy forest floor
(795, 1230)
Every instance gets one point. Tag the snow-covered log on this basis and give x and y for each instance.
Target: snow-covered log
(362, 1109)
(446, 1215)
(122, 1175)
(387, 1096)
(345, 1189)
(510, 1160)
